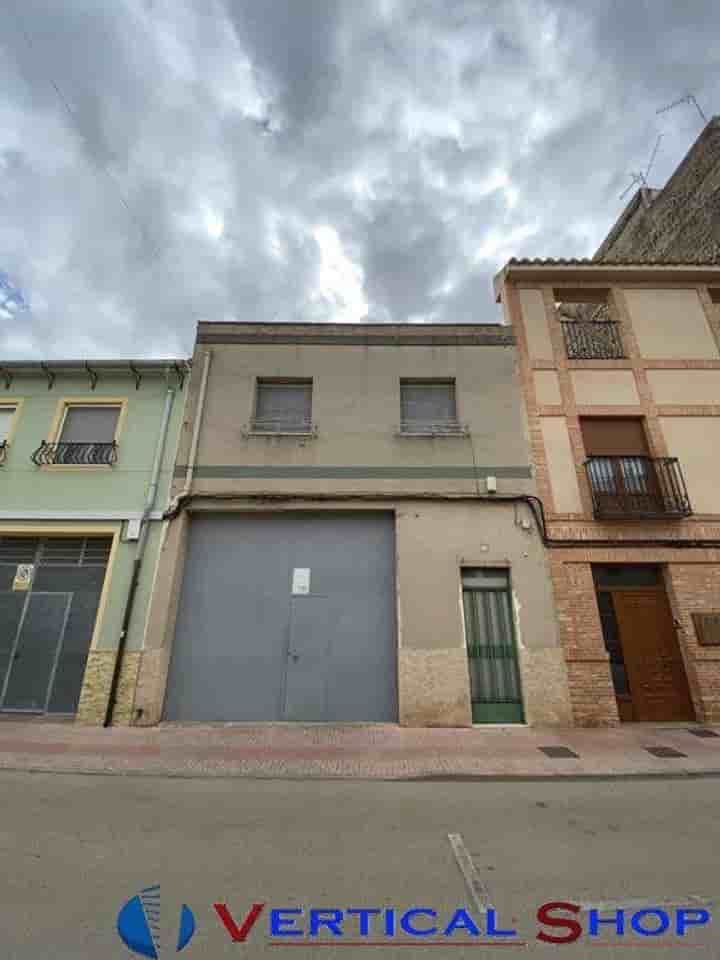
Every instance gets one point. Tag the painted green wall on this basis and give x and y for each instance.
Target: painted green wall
(25, 488)
(124, 486)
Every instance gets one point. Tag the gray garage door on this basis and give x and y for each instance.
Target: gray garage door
(256, 641)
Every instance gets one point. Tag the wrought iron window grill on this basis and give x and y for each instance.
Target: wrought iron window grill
(637, 487)
(75, 454)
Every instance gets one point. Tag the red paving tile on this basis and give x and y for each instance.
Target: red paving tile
(371, 751)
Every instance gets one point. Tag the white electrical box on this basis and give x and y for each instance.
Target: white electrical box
(491, 484)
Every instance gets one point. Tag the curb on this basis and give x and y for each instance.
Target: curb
(606, 776)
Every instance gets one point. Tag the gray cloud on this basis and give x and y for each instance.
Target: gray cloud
(164, 161)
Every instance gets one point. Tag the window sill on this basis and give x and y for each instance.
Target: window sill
(433, 434)
(83, 468)
(298, 434)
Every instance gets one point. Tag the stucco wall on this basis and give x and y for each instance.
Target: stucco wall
(695, 441)
(547, 387)
(680, 388)
(536, 325)
(604, 387)
(433, 542)
(670, 323)
(561, 465)
(356, 408)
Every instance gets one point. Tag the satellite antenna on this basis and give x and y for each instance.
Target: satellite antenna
(689, 98)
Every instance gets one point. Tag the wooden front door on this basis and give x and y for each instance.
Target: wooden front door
(655, 670)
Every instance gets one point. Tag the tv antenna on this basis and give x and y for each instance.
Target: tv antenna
(689, 98)
(640, 177)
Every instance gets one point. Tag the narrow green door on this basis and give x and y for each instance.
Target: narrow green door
(492, 652)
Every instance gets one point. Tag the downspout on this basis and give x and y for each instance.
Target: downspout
(139, 552)
(177, 502)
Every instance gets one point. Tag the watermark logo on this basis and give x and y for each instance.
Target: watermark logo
(138, 924)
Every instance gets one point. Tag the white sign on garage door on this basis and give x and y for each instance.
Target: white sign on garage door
(301, 581)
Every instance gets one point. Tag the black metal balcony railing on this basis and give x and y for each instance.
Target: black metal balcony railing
(282, 425)
(3, 450)
(75, 454)
(634, 488)
(441, 427)
(592, 340)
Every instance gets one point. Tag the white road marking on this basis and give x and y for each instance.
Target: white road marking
(476, 888)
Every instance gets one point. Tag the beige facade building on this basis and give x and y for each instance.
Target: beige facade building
(354, 535)
(620, 371)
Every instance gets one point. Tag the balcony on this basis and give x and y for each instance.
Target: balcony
(441, 427)
(637, 488)
(75, 455)
(592, 340)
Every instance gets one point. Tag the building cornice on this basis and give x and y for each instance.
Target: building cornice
(357, 334)
(572, 270)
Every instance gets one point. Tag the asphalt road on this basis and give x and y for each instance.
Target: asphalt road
(76, 848)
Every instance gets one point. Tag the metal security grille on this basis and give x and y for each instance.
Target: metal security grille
(592, 340)
(46, 624)
(16, 550)
(494, 676)
(62, 551)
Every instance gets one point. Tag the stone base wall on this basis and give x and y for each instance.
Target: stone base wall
(434, 688)
(95, 691)
(544, 681)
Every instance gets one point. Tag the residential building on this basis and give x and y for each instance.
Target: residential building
(353, 534)
(620, 373)
(679, 222)
(86, 457)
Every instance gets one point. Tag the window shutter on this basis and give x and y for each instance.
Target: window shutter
(613, 437)
(90, 424)
(427, 402)
(6, 415)
(286, 405)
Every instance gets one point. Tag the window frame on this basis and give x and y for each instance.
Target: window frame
(455, 427)
(261, 382)
(56, 428)
(16, 404)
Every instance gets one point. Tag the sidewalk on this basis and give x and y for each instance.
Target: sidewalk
(381, 751)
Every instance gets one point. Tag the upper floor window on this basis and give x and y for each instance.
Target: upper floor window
(428, 407)
(283, 406)
(86, 437)
(626, 482)
(588, 329)
(7, 414)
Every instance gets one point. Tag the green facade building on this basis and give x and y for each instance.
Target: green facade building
(86, 458)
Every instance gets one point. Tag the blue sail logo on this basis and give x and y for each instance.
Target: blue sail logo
(138, 924)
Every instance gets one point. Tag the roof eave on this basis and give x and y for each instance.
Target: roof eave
(600, 271)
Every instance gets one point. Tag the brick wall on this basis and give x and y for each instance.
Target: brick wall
(692, 574)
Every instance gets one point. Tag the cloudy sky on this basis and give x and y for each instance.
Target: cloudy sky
(165, 161)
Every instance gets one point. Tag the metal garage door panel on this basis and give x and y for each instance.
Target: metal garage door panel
(239, 626)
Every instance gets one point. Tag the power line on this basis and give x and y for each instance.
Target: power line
(78, 130)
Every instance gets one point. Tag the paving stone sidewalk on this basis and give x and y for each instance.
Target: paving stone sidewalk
(364, 751)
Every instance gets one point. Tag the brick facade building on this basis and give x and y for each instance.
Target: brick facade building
(620, 371)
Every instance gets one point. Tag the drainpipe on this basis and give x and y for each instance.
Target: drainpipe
(176, 505)
(139, 552)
